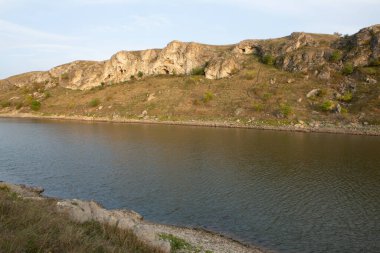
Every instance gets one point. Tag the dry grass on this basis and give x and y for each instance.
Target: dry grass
(180, 97)
(35, 226)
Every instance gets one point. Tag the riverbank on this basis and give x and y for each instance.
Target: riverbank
(320, 127)
(105, 227)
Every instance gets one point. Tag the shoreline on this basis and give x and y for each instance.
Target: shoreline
(148, 232)
(350, 130)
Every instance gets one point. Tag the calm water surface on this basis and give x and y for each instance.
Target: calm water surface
(288, 192)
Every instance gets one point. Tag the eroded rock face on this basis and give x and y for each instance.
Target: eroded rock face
(363, 47)
(222, 67)
(299, 52)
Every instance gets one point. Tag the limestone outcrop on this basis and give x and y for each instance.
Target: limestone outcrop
(299, 52)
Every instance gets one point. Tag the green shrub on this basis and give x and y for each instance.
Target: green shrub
(327, 106)
(94, 102)
(268, 59)
(347, 97)
(348, 69)
(336, 56)
(199, 71)
(285, 109)
(207, 97)
(35, 105)
(140, 74)
(5, 104)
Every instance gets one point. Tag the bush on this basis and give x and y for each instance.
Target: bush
(199, 71)
(327, 106)
(268, 59)
(5, 104)
(348, 69)
(35, 105)
(140, 74)
(285, 109)
(336, 56)
(94, 102)
(207, 97)
(347, 97)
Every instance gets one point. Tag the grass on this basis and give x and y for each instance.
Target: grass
(35, 226)
(207, 97)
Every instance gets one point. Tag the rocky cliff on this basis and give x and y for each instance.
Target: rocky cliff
(314, 54)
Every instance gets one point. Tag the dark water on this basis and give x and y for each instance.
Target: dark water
(288, 192)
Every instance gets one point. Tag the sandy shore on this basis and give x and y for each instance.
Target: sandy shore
(322, 128)
(150, 233)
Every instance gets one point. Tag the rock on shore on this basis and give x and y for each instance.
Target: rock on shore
(150, 233)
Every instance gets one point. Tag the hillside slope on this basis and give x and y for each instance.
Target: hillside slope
(301, 79)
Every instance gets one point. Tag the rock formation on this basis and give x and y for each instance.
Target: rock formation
(299, 52)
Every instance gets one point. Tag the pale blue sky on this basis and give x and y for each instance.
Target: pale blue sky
(40, 34)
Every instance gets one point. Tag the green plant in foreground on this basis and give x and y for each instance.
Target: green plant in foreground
(94, 102)
(35, 105)
(140, 74)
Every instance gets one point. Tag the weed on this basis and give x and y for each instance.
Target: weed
(140, 74)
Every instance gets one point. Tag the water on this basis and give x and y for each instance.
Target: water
(287, 192)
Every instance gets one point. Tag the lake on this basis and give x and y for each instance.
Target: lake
(282, 191)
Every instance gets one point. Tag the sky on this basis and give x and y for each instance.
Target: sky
(41, 34)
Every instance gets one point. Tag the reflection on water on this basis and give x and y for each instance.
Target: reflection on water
(291, 192)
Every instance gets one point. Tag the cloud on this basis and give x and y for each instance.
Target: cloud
(9, 28)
